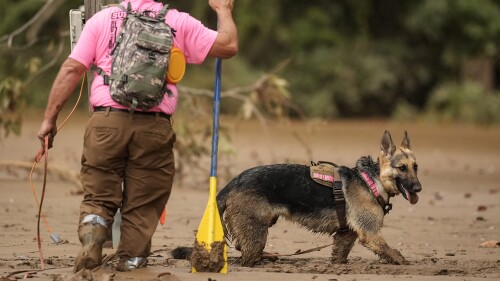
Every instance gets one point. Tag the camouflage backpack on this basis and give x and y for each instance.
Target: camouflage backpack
(140, 60)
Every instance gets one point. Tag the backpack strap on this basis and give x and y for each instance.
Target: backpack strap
(101, 73)
(128, 10)
(163, 13)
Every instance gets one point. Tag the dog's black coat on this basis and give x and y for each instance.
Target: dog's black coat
(291, 186)
(288, 185)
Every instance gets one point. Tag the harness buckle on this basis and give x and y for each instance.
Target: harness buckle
(387, 208)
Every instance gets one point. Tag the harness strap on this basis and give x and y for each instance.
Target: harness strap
(386, 206)
(326, 173)
(338, 196)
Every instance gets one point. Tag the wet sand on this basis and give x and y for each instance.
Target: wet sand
(441, 235)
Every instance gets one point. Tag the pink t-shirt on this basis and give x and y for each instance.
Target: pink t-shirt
(98, 37)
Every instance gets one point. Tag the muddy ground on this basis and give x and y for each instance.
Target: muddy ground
(441, 236)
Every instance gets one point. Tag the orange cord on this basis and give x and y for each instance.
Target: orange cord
(38, 157)
(46, 146)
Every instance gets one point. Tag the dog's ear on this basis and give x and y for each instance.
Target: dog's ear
(386, 145)
(406, 141)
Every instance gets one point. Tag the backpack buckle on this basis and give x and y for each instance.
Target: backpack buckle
(106, 79)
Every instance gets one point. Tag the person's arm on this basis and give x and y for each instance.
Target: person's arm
(64, 84)
(226, 43)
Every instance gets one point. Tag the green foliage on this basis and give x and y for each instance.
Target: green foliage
(404, 111)
(370, 82)
(350, 58)
(461, 28)
(466, 102)
(11, 105)
(13, 14)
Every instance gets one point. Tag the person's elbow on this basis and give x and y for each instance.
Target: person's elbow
(226, 51)
(230, 51)
(225, 47)
(73, 67)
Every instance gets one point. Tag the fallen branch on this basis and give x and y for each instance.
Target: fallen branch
(54, 171)
(296, 253)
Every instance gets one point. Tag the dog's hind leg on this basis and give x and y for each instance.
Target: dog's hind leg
(253, 245)
(247, 219)
(250, 237)
(342, 246)
(378, 245)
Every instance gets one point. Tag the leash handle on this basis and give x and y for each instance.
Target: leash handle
(39, 155)
(41, 152)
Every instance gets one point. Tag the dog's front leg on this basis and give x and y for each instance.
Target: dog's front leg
(378, 245)
(342, 245)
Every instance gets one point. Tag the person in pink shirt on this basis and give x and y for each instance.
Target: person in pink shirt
(133, 150)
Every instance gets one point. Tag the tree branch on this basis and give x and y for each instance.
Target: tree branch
(237, 93)
(56, 171)
(49, 64)
(37, 21)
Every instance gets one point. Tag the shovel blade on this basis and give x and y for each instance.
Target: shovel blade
(210, 233)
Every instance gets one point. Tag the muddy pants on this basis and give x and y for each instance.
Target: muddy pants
(136, 150)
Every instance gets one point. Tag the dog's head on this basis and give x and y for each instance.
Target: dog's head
(398, 168)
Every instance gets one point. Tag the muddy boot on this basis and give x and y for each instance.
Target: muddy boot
(92, 235)
(128, 264)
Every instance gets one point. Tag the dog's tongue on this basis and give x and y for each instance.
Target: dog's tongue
(412, 197)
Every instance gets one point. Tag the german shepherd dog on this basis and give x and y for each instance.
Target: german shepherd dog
(254, 200)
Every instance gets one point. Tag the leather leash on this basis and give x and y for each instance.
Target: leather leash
(44, 153)
(41, 153)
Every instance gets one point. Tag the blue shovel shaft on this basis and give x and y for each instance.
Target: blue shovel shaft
(215, 129)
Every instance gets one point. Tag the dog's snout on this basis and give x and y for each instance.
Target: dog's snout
(417, 187)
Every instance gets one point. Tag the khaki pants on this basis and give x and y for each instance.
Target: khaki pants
(136, 150)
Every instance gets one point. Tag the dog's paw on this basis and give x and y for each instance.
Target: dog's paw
(399, 260)
(338, 260)
(395, 257)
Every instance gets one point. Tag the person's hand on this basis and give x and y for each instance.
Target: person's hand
(49, 129)
(218, 5)
(226, 43)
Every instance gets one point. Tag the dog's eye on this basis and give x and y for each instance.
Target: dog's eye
(415, 167)
(403, 168)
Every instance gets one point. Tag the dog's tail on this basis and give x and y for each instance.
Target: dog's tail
(182, 253)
